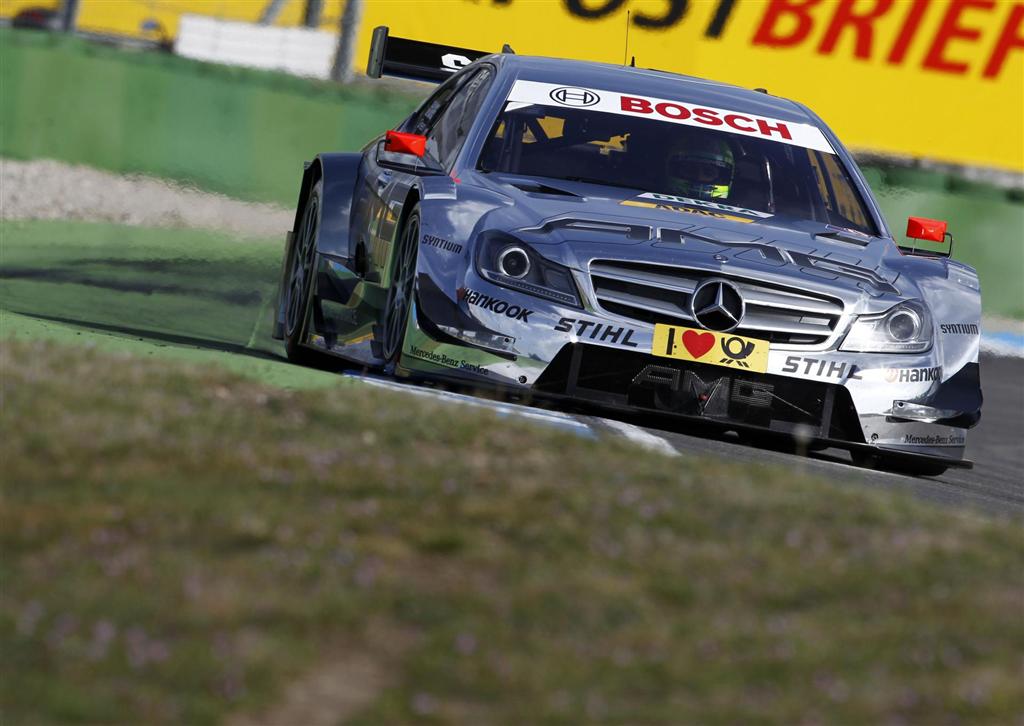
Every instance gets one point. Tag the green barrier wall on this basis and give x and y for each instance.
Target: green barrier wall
(246, 133)
(988, 233)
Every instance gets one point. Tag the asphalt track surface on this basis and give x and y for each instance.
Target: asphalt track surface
(995, 485)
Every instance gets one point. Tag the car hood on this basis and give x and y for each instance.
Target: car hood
(575, 223)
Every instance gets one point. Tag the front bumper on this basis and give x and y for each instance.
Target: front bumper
(501, 338)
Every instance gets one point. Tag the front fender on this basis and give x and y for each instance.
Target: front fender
(339, 173)
(955, 302)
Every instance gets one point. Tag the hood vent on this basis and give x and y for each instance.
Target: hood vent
(538, 188)
(636, 232)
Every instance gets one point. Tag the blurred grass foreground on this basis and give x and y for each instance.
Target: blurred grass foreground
(181, 544)
(245, 133)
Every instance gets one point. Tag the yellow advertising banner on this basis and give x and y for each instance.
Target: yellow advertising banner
(942, 79)
(156, 19)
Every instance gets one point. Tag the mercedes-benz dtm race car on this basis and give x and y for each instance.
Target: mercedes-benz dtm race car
(641, 240)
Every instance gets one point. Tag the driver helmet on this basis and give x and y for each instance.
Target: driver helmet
(700, 168)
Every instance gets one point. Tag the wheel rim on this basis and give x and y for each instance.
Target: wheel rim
(302, 263)
(401, 289)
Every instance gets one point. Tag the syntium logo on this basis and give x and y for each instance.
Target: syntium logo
(579, 97)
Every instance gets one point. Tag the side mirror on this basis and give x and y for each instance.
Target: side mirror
(929, 230)
(402, 143)
(397, 144)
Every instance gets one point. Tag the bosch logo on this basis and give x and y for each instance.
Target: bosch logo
(579, 97)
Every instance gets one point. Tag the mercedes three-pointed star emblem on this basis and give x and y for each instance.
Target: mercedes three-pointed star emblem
(717, 305)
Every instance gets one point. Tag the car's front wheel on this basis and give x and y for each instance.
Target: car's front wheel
(299, 280)
(399, 304)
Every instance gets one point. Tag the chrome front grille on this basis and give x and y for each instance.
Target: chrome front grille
(655, 293)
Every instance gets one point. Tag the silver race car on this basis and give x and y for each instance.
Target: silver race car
(639, 240)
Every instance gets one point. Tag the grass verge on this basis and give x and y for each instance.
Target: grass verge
(194, 296)
(174, 283)
(179, 542)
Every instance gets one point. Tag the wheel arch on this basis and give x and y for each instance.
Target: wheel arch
(413, 197)
(339, 173)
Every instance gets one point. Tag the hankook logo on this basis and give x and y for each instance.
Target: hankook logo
(580, 97)
(717, 305)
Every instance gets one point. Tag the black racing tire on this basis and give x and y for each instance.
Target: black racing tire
(898, 464)
(400, 294)
(299, 280)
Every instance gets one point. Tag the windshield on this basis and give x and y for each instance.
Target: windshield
(684, 156)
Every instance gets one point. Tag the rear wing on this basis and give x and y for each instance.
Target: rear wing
(416, 59)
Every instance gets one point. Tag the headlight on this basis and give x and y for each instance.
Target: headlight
(905, 328)
(509, 262)
(514, 261)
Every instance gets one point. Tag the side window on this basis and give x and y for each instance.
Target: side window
(450, 129)
(425, 115)
(837, 191)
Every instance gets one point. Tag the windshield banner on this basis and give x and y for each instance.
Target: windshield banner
(672, 111)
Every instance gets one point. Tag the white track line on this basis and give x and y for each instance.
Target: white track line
(641, 437)
(636, 434)
(550, 418)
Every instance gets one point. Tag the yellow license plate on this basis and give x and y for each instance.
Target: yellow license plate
(706, 346)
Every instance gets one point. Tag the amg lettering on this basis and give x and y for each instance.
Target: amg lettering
(959, 328)
(500, 307)
(778, 256)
